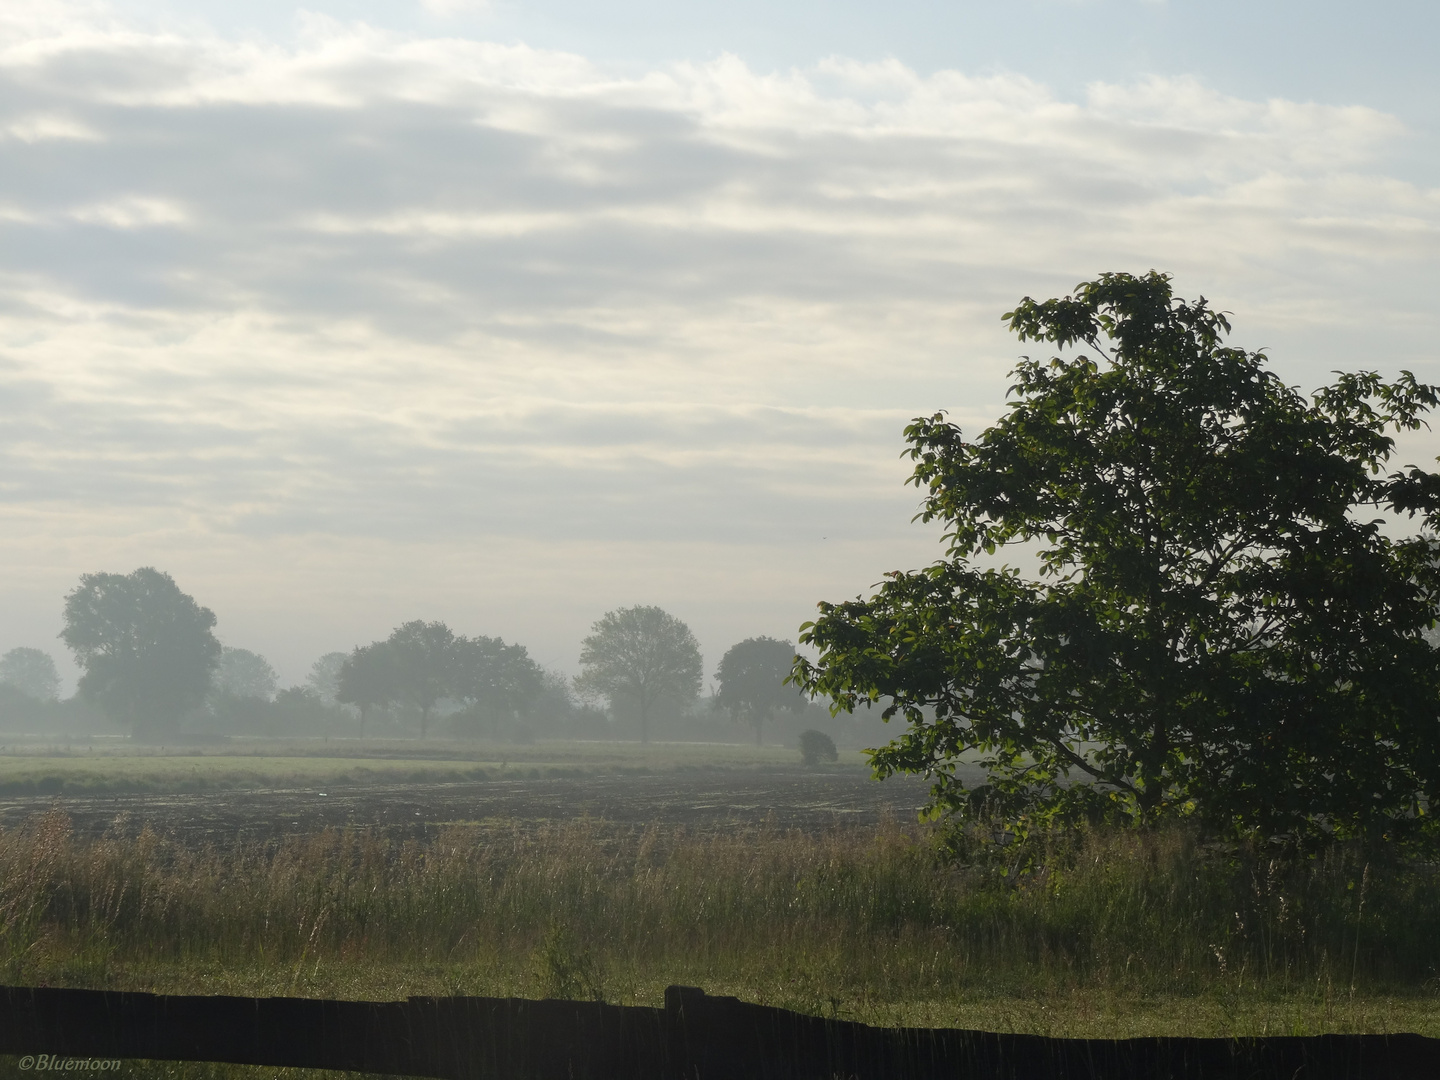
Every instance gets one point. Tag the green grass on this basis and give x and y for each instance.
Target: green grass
(114, 766)
(1112, 935)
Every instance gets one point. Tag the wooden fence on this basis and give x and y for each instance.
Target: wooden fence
(694, 1037)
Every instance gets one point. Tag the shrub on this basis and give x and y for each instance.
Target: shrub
(816, 746)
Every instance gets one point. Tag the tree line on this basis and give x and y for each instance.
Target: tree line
(151, 662)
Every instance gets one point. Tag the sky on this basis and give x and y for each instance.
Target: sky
(509, 314)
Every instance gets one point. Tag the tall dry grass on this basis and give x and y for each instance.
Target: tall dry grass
(853, 919)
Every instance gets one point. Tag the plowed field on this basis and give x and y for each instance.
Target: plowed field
(703, 800)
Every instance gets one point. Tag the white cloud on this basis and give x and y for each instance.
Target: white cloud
(395, 289)
(448, 9)
(41, 127)
(131, 212)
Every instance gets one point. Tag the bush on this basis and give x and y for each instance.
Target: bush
(816, 746)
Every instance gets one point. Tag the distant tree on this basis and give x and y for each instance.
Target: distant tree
(424, 665)
(324, 677)
(752, 682)
(302, 709)
(492, 678)
(368, 680)
(816, 746)
(244, 674)
(31, 671)
(299, 699)
(21, 712)
(555, 711)
(1220, 631)
(554, 704)
(146, 648)
(642, 656)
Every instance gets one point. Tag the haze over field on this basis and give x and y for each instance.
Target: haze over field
(510, 316)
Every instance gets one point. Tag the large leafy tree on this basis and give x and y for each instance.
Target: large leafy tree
(146, 648)
(641, 657)
(752, 678)
(1223, 627)
(493, 678)
(367, 679)
(424, 665)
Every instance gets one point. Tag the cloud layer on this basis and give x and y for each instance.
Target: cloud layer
(376, 288)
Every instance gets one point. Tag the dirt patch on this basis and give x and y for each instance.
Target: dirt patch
(701, 800)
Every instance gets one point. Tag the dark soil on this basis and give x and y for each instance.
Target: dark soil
(701, 800)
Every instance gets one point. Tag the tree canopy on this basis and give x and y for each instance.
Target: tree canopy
(244, 674)
(324, 676)
(31, 671)
(642, 657)
(493, 677)
(146, 648)
(752, 678)
(367, 680)
(1222, 628)
(421, 663)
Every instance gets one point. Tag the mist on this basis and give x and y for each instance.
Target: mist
(349, 325)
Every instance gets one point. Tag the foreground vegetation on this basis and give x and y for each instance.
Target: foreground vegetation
(1218, 628)
(1108, 934)
(1098, 933)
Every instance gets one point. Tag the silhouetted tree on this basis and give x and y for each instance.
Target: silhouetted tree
(244, 674)
(643, 656)
(32, 671)
(324, 677)
(300, 708)
(424, 665)
(241, 691)
(20, 711)
(1221, 629)
(493, 679)
(368, 680)
(146, 648)
(752, 678)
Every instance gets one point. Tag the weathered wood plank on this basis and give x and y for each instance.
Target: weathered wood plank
(696, 1036)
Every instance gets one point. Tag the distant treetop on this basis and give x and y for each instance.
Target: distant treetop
(147, 648)
(244, 674)
(642, 657)
(31, 671)
(752, 678)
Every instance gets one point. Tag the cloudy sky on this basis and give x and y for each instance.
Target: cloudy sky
(510, 313)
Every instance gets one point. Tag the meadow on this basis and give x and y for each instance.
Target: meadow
(887, 922)
(31, 765)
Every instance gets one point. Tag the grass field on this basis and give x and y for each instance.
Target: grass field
(1112, 935)
(113, 765)
(1109, 935)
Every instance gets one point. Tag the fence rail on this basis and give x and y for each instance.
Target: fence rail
(695, 1036)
